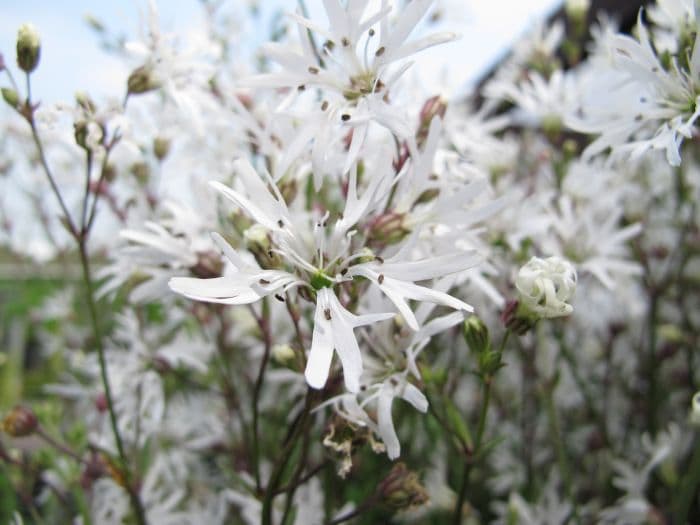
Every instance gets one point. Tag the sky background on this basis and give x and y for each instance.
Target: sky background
(72, 59)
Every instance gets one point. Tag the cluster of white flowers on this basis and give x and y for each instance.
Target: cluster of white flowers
(291, 252)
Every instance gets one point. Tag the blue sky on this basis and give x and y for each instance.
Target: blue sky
(72, 59)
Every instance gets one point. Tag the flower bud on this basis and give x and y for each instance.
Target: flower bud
(19, 422)
(283, 354)
(516, 319)
(577, 9)
(142, 80)
(161, 147)
(85, 102)
(28, 47)
(476, 335)
(209, 265)
(695, 410)
(388, 228)
(434, 107)
(402, 489)
(80, 132)
(11, 97)
(2, 62)
(544, 286)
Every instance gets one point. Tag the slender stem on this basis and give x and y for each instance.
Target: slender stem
(688, 487)
(58, 446)
(652, 365)
(103, 175)
(469, 461)
(42, 157)
(283, 460)
(29, 88)
(559, 445)
(480, 430)
(264, 324)
(294, 483)
(133, 495)
(12, 79)
(303, 479)
(88, 176)
(362, 507)
(81, 239)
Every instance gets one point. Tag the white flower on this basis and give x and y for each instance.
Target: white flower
(544, 286)
(354, 69)
(321, 260)
(636, 102)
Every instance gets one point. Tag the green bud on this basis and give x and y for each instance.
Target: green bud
(11, 97)
(427, 196)
(489, 363)
(84, 101)
(28, 47)
(283, 354)
(141, 171)
(161, 147)
(80, 131)
(142, 80)
(577, 10)
(476, 335)
(695, 410)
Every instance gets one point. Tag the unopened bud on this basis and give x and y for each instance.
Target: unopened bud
(80, 132)
(19, 422)
(2, 62)
(388, 228)
(28, 47)
(577, 9)
(402, 489)
(283, 354)
(208, 265)
(101, 403)
(476, 335)
(489, 363)
(516, 319)
(258, 243)
(142, 80)
(85, 102)
(161, 147)
(695, 410)
(141, 171)
(434, 107)
(11, 97)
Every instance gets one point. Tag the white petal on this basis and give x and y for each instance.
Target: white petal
(386, 424)
(321, 353)
(415, 397)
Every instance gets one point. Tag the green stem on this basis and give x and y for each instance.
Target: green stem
(133, 494)
(283, 460)
(81, 239)
(559, 445)
(264, 325)
(652, 365)
(481, 428)
(688, 487)
(42, 157)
